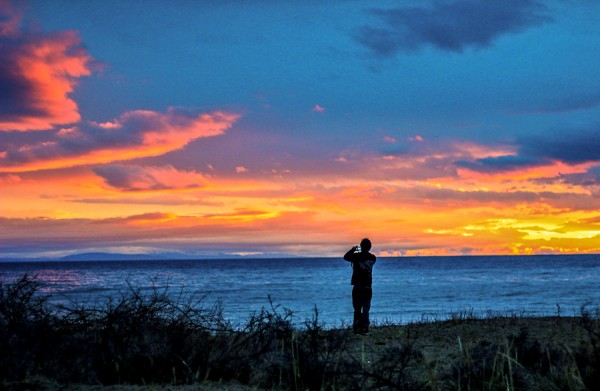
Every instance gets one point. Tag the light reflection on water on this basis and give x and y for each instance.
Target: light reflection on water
(404, 288)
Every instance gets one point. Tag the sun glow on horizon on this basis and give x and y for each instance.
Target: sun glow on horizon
(407, 220)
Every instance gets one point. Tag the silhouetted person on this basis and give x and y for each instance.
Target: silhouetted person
(362, 270)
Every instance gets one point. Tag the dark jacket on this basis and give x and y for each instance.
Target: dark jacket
(362, 267)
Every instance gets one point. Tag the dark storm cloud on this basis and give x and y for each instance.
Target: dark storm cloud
(574, 146)
(450, 26)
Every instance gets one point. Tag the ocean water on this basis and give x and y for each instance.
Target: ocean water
(404, 288)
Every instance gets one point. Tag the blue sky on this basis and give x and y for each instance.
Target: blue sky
(277, 60)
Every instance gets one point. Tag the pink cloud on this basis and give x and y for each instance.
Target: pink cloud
(37, 73)
(416, 138)
(389, 139)
(318, 109)
(9, 179)
(135, 134)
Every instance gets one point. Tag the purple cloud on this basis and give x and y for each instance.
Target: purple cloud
(589, 179)
(451, 26)
(133, 178)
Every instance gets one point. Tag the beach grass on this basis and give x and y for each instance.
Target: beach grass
(161, 340)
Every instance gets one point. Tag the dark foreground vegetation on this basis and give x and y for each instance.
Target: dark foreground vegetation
(153, 340)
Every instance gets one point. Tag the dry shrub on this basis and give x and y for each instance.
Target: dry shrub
(155, 337)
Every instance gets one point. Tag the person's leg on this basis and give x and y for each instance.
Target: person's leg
(366, 308)
(357, 304)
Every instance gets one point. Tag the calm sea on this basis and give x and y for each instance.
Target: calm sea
(405, 289)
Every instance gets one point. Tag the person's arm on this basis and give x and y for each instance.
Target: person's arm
(349, 256)
(372, 259)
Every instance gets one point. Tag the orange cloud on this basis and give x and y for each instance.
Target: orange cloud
(135, 134)
(316, 217)
(37, 73)
(143, 219)
(10, 179)
(532, 179)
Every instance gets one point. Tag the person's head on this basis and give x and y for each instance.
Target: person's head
(365, 245)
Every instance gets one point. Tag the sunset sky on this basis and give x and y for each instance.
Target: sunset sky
(299, 127)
